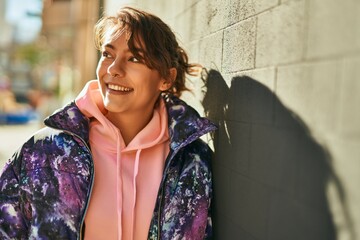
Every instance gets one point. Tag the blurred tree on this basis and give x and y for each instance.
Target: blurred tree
(34, 54)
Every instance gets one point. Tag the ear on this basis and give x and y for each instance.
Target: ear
(167, 83)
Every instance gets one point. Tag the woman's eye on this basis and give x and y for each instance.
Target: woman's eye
(106, 54)
(134, 59)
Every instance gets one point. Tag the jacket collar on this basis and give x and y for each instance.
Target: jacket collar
(185, 124)
(71, 119)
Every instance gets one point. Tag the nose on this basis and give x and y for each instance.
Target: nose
(116, 69)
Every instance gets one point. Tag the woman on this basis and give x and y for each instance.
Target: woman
(125, 159)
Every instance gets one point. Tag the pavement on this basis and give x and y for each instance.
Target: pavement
(12, 137)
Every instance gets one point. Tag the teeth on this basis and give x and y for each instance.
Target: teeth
(119, 88)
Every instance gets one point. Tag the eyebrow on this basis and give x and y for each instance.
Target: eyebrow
(109, 45)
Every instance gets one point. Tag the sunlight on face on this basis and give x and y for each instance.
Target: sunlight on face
(128, 85)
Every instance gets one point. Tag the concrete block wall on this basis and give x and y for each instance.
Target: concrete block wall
(283, 84)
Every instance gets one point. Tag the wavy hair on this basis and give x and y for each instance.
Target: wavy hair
(151, 41)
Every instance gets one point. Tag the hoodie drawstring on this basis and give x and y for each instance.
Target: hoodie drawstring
(136, 170)
(119, 186)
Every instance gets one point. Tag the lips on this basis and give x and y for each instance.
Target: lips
(119, 88)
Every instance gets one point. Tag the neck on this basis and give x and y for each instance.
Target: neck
(130, 124)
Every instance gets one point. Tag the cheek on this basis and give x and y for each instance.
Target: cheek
(155, 81)
(102, 88)
(98, 71)
(101, 69)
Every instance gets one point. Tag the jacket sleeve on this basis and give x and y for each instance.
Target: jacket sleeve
(187, 213)
(12, 224)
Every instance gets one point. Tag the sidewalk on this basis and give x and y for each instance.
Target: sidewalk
(12, 136)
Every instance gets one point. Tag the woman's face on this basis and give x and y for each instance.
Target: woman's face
(127, 85)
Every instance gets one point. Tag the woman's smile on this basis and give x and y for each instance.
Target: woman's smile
(117, 89)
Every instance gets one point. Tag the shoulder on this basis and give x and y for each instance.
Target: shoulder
(194, 161)
(198, 148)
(51, 138)
(186, 125)
(69, 119)
(51, 148)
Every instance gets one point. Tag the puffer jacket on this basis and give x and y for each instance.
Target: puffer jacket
(46, 186)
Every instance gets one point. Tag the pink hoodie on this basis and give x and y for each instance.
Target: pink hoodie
(127, 178)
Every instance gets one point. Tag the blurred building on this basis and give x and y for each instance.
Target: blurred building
(47, 49)
(19, 25)
(67, 32)
(5, 32)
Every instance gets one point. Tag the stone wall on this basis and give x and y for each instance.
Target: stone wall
(283, 84)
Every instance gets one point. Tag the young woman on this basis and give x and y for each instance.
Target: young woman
(125, 159)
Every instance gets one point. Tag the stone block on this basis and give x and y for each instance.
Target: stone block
(187, 3)
(262, 94)
(265, 76)
(225, 228)
(221, 188)
(311, 92)
(182, 25)
(281, 35)
(222, 14)
(332, 28)
(345, 164)
(198, 21)
(274, 157)
(250, 205)
(216, 14)
(239, 46)
(239, 10)
(194, 83)
(357, 23)
(250, 96)
(290, 219)
(193, 50)
(314, 173)
(181, 6)
(235, 145)
(210, 50)
(350, 98)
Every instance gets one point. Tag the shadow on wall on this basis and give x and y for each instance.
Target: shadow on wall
(270, 175)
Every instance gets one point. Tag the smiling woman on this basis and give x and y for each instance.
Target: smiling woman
(153, 177)
(119, 70)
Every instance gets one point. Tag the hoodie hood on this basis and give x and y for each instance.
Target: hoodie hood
(91, 104)
(184, 123)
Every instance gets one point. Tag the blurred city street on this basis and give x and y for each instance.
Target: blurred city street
(12, 136)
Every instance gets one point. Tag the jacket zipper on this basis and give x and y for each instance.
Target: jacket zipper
(87, 205)
(159, 213)
(80, 235)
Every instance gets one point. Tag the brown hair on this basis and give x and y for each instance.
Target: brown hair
(151, 41)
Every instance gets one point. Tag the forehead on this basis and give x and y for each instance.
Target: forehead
(115, 33)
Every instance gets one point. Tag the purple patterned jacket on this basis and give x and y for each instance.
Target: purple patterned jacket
(45, 187)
